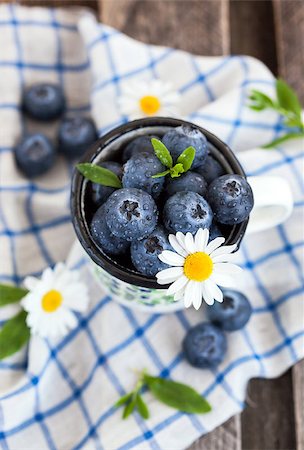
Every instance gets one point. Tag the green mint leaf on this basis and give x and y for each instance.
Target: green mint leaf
(161, 174)
(294, 122)
(129, 408)
(283, 139)
(99, 175)
(162, 153)
(262, 100)
(177, 395)
(142, 407)
(177, 170)
(288, 98)
(256, 107)
(13, 335)
(124, 399)
(11, 294)
(186, 158)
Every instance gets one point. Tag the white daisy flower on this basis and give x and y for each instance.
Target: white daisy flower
(52, 299)
(148, 98)
(198, 268)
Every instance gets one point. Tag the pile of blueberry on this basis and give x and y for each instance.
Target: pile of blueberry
(36, 154)
(139, 216)
(205, 345)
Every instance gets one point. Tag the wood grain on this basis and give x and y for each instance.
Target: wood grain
(289, 29)
(93, 4)
(298, 398)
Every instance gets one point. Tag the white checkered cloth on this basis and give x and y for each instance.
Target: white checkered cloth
(60, 394)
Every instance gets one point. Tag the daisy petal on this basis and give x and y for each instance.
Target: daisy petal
(189, 243)
(179, 284)
(201, 239)
(216, 292)
(176, 246)
(171, 258)
(207, 295)
(31, 283)
(169, 275)
(189, 293)
(223, 258)
(223, 249)
(179, 295)
(227, 269)
(181, 239)
(198, 296)
(223, 280)
(217, 242)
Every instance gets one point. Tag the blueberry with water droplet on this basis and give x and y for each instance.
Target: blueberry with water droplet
(43, 101)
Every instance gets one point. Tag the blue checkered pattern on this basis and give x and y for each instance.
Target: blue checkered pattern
(59, 395)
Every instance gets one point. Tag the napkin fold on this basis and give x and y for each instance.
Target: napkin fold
(60, 394)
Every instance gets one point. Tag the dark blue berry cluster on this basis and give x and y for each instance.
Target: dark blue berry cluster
(35, 154)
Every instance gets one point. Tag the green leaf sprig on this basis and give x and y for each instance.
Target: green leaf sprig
(15, 333)
(287, 104)
(100, 175)
(177, 395)
(183, 163)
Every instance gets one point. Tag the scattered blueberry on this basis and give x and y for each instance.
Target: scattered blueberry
(233, 313)
(205, 346)
(75, 135)
(189, 181)
(138, 145)
(34, 155)
(101, 193)
(211, 169)
(231, 199)
(44, 101)
(144, 253)
(178, 139)
(138, 173)
(103, 237)
(131, 214)
(214, 232)
(186, 211)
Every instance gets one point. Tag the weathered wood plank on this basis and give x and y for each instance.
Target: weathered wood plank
(252, 30)
(268, 423)
(225, 437)
(193, 25)
(289, 28)
(93, 4)
(298, 397)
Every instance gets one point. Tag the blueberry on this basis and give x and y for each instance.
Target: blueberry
(138, 173)
(145, 253)
(103, 237)
(205, 346)
(44, 101)
(186, 211)
(231, 199)
(131, 214)
(189, 181)
(101, 193)
(138, 145)
(233, 313)
(210, 169)
(178, 139)
(35, 155)
(75, 135)
(214, 232)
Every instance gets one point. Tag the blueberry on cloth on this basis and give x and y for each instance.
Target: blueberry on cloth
(144, 253)
(101, 193)
(44, 101)
(205, 345)
(138, 173)
(231, 199)
(103, 237)
(233, 313)
(189, 181)
(131, 214)
(186, 211)
(178, 139)
(35, 155)
(141, 144)
(75, 135)
(211, 169)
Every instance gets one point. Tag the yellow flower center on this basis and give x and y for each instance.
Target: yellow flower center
(149, 104)
(51, 301)
(198, 266)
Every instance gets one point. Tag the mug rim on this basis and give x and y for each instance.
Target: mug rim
(78, 182)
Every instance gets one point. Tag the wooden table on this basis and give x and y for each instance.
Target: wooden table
(272, 31)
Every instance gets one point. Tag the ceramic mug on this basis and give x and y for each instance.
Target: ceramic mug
(272, 205)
